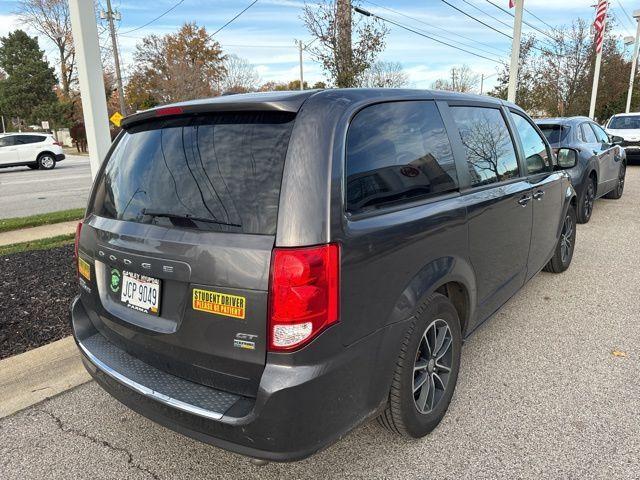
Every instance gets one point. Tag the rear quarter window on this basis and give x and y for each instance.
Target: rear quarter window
(219, 172)
(397, 152)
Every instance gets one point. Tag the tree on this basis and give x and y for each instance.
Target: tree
(461, 79)
(180, 66)
(240, 76)
(29, 83)
(331, 24)
(384, 75)
(51, 19)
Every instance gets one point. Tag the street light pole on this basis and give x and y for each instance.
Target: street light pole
(634, 61)
(116, 57)
(94, 103)
(300, 47)
(515, 51)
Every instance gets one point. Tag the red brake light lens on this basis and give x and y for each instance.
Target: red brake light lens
(76, 243)
(163, 112)
(303, 294)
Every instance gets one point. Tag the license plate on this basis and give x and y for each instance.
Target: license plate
(140, 292)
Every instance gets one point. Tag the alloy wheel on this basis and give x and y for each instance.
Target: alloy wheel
(589, 198)
(47, 161)
(432, 366)
(566, 239)
(621, 175)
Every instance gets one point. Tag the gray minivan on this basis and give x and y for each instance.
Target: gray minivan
(264, 272)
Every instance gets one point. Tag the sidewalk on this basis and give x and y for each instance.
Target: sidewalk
(37, 233)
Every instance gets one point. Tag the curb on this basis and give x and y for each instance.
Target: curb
(37, 233)
(31, 377)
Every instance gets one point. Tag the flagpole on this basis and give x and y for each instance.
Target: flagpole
(515, 51)
(596, 70)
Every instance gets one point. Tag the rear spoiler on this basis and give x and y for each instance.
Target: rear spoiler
(275, 102)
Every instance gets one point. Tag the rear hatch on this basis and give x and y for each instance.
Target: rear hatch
(180, 230)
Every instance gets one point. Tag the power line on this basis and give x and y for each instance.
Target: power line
(475, 42)
(487, 14)
(155, 19)
(626, 14)
(366, 13)
(234, 18)
(526, 23)
(477, 20)
(539, 19)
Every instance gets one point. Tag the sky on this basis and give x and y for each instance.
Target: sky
(265, 34)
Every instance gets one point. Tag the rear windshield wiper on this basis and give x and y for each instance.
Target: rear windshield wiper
(187, 216)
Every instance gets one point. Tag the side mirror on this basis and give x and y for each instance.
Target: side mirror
(616, 140)
(567, 158)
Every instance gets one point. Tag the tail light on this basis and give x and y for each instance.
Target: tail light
(57, 143)
(75, 247)
(303, 294)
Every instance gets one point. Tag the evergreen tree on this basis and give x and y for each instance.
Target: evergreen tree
(28, 86)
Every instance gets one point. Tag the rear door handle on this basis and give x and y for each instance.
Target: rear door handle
(538, 195)
(524, 200)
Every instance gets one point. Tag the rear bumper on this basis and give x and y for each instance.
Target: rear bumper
(303, 404)
(60, 157)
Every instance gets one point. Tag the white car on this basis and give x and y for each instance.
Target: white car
(627, 127)
(35, 150)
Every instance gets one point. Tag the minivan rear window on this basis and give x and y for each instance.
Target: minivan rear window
(218, 172)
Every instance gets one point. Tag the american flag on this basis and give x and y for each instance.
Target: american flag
(598, 24)
(512, 3)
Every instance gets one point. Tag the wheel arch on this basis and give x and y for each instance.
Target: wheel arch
(450, 276)
(45, 152)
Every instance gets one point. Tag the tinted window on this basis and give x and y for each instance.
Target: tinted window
(587, 134)
(600, 133)
(397, 152)
(554, 133)
(25, 139)
(626, 122)
(491, 156)
(7, 141)
(224, 168)
(533, 146)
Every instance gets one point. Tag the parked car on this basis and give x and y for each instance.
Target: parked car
(35, 150)
(264, 272)
(627, 127)
(602, 163)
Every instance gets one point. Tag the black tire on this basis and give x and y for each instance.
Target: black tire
(46, 161)
(617, 192)
(401, 414)
(586, 200)
(566, 243)
(33, 166)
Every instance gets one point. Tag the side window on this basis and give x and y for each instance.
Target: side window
(535, 150)
(397, 152)
(491, 156)
(600, 133)
(7, 141)
(587, 134)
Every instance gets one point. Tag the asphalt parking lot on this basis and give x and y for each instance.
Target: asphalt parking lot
(540, 395)
(27, 192)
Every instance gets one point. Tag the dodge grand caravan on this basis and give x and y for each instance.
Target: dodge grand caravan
(264, 272)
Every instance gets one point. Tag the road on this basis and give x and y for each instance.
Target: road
(26, 192)
(540, 395)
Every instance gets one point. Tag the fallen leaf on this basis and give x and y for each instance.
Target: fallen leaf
(619, 353)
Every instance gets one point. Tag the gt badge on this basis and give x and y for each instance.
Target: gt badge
(219, 303)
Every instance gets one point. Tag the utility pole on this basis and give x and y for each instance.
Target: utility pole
(300, 47)
(636, 15)
(3, 129)
(111, 15)
(600, 25)
(515, 51)
(345, 53)
(94, 102)
(481, 82)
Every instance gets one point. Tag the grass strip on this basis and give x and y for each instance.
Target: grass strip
(42, 244)
(8, 224)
